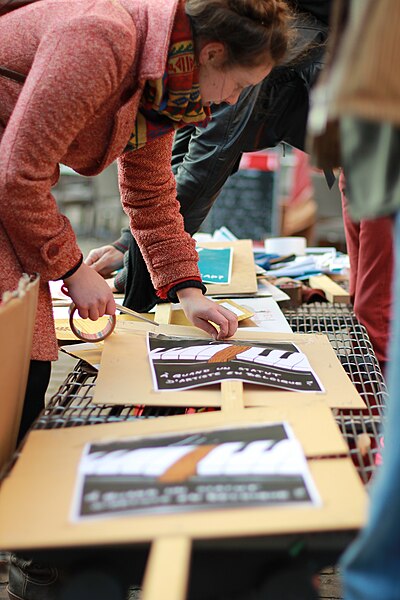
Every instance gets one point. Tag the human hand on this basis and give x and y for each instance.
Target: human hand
(90, 293)
(201, 310)
(105, 260)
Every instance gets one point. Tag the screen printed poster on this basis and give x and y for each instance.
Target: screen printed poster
(182, 363)
(215, 264)
(256, 465)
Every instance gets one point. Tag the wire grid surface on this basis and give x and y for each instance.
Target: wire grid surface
(72, 404)
(361, 428)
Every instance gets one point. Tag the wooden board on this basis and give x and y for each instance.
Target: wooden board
(243, 279)
(125, 376)
(333, 291)
(165, 578)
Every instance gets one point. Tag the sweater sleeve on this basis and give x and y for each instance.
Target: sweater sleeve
(122, 243)
(148, 194)
(62, 92)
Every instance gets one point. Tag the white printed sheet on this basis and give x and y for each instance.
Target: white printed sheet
(258, 465)
(181, 363)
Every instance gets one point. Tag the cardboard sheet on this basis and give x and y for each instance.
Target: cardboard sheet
(243, 278)
(87, 351)
(41, 519)
(125, 374)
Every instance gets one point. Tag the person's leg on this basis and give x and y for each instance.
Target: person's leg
(352, 233)
(373, 300)
(371, 565)
(370, 248)
(28, 579)
(38, 380)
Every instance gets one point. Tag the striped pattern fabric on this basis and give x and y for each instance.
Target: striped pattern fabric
(174, 100)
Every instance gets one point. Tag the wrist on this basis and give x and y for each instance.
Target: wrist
(188, 293)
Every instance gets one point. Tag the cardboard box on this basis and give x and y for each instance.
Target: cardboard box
(17, 320)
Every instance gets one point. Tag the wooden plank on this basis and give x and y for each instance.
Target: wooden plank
(163, 313)
(333, 291)
(243, 278)
(167, 569)
(232, 396)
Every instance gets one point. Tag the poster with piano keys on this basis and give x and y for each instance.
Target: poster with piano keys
(182, 363)
(256, 465)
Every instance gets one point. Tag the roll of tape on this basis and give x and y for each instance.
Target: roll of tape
(91, 331)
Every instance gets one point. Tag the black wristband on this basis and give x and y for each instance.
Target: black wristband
(190, 283)
(73, 270)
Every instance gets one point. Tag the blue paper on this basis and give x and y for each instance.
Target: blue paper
(215, 265)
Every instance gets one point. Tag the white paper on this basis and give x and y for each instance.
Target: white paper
(267, 315)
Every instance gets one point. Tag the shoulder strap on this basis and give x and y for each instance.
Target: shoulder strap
(13, 75)
(7, 6)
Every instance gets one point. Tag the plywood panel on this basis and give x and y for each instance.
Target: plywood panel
(243, 279)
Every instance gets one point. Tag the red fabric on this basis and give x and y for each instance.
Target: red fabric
(153, 210)
(370, 249)
(163, 292)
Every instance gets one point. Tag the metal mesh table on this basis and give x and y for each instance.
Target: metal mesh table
(72, 404)
(360, 428)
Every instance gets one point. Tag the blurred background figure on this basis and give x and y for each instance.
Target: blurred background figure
(360, 92)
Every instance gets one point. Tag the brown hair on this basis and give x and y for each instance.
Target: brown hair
(251, 30)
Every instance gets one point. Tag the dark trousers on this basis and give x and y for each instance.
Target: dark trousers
(38, 380)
